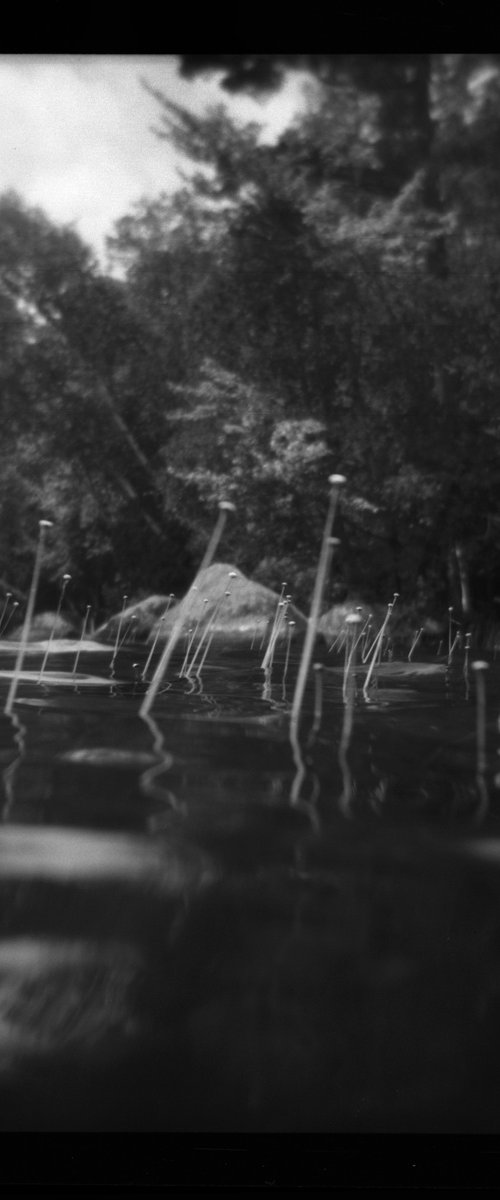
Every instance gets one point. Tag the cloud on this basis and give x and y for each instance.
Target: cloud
(76, 136)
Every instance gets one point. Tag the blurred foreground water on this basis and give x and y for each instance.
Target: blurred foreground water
(199, 933)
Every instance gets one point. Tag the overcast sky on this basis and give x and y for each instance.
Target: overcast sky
(75, 131)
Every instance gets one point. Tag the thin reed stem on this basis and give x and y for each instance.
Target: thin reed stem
(208, 631)
(224, 508)
(8, 596)
(377, 648)
(278, 625)
(9, 617)
(353, 621)
(65, 581)
(328, 543)
(192, 635)
(82, 636)
(310, 637)
(416, 639)
(118, 631)
(265, 660)
(211, 634)
(158, 631)
(291, 625)
(28, 619)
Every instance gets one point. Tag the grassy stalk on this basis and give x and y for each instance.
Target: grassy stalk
(158, 631)
(416, 639)
(65, 581)
(4, 610)
(279, 606)
(224, 508)
(82, 636)
(353, 622)
(210, 636)
(117, 638)
(377, 647)
(288, 644)
(278, 626)
(28, 619)
(327, 545)
(9, 617)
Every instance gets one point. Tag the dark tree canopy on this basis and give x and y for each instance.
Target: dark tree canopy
(326, 302)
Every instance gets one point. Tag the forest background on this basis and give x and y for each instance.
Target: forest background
(330, 302)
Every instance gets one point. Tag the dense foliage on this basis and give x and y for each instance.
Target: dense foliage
(329, 302)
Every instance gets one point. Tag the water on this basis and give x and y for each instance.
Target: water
(199, 931)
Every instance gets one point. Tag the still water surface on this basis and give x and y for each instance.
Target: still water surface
(199, 932)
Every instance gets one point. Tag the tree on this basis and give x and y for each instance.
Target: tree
(86, 387)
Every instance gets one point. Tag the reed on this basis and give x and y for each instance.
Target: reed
(327, 547)
(118, 632)
(191, 636)
(416, 639)
(338, 641)
(275, 634)
(64, 583)
(450, 627)
(264, 631)
(353, 621)
(157, 634)
(377, 646)
(468, 639)
(457, 641)
(211, 633)
(15, 605)
(130, 631)
(8, 596)
(365, 634)
(43, 526)
(153, 647)
(208, 632)
(225, 507)
(370, 645)
(291, 625)
(82, 637)
(265, 661)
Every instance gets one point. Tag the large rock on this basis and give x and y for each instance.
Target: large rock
(245, 614)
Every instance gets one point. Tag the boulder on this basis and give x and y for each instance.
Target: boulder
(243, 615)
(247, 613)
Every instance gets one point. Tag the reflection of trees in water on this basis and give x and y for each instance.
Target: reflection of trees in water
(345, 997)
(364, 772)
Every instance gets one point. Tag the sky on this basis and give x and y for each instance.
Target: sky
(76, 137)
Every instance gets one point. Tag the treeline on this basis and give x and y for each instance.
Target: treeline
(329, 302)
